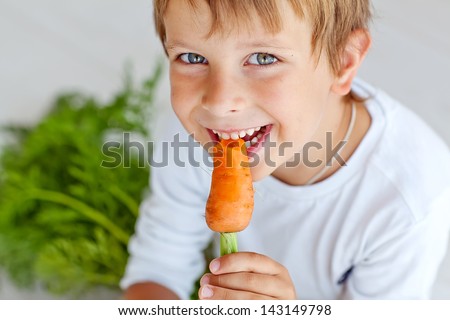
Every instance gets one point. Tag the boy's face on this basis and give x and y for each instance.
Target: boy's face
(247, 79)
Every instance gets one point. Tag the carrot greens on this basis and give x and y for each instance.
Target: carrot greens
(65, 219)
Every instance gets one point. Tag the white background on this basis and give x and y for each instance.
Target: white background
(48, 46)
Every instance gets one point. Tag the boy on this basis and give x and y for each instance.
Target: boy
(364, 215)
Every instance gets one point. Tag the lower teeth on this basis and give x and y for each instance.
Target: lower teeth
(249, 144)
(255, 139)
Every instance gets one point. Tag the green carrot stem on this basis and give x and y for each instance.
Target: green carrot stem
(228, 243)
(128, 201)
(82, 208)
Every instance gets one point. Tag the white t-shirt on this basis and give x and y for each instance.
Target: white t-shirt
(376, 229)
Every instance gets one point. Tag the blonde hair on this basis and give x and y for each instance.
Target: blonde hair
(332, 20)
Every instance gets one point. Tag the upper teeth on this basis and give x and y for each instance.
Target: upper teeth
(240, 134)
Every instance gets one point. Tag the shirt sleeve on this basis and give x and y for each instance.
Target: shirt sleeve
(405, 264)
(171, 233)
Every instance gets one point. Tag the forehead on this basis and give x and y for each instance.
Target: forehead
(221, 18)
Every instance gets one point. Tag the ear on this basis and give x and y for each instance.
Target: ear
(355, 51)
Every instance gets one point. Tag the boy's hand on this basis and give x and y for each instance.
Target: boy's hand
(246, 276)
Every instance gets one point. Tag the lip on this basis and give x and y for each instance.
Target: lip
(255, 148)
(236, 130)
(212, 135)
(250, 150)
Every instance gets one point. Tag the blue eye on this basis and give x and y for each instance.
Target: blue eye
(262, 59)
(192, 58)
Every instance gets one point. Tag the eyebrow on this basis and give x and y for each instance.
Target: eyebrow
(172, 44)
(262, 44)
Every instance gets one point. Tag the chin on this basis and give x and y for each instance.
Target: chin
(259, 173)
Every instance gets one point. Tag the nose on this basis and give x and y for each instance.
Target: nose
(222, 95)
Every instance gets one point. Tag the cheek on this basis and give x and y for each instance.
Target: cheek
(294, 104)
(269, 91)
(184, 93)
(284, 97)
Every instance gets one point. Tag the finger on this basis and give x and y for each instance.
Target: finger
(267, 285)
(209, 292)
(246, 262)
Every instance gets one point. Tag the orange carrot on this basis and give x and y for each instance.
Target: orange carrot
(230, 203)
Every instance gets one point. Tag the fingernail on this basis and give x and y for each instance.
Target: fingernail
(214, 266)
(206, 292)
(204, 280)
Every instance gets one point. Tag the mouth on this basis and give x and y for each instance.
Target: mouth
(253, 137)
